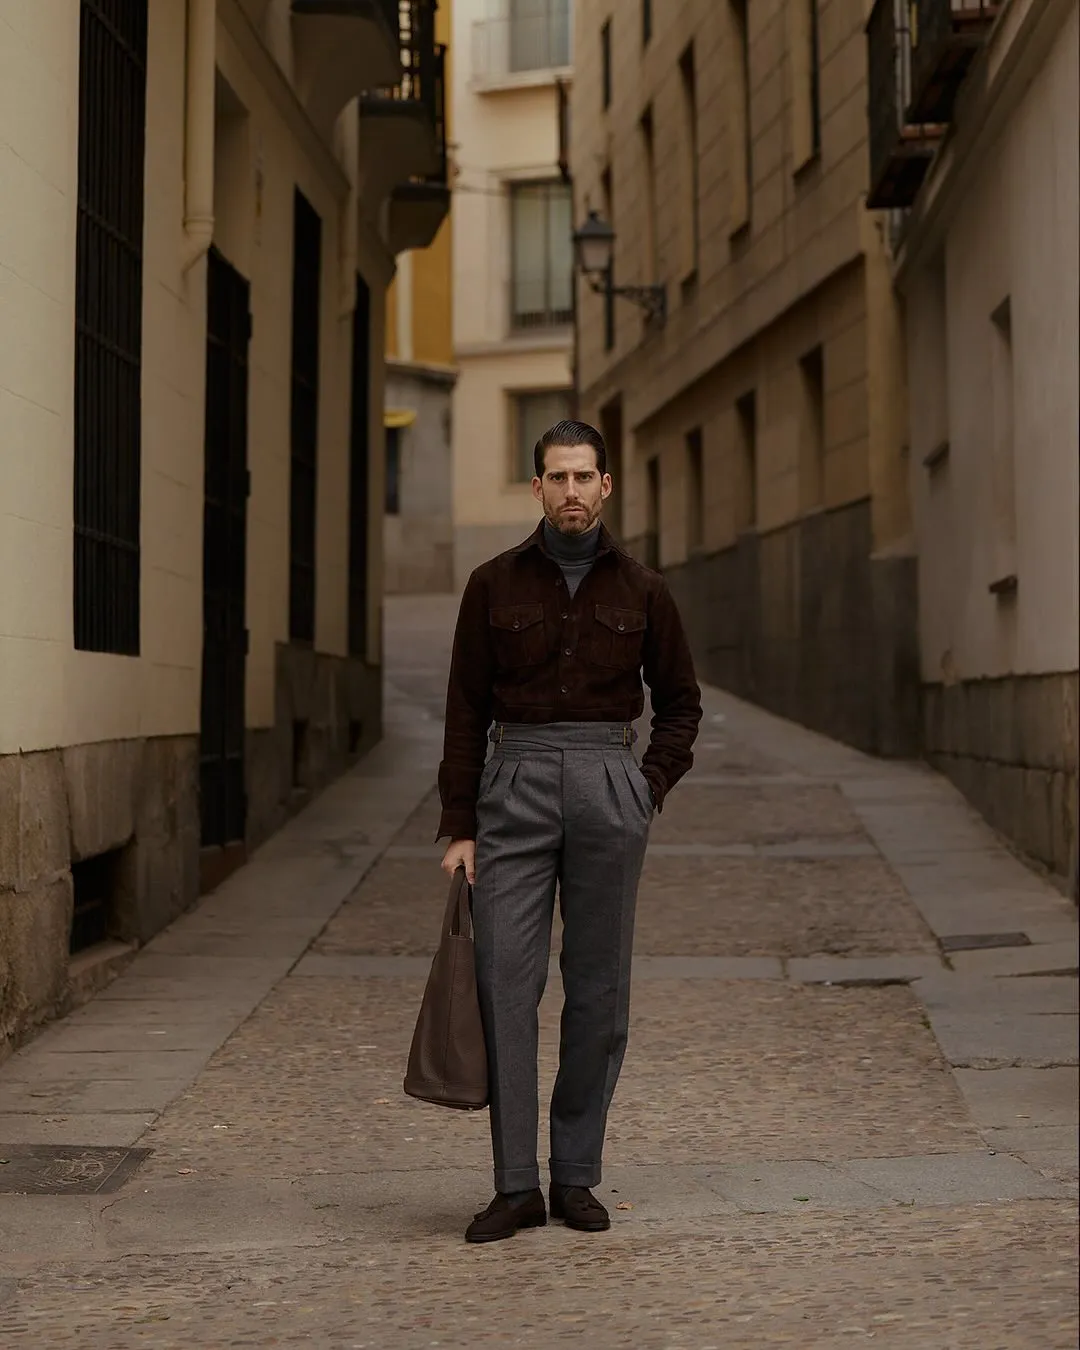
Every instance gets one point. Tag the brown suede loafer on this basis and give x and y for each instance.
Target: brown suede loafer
(579, 1208)
(502, 1219)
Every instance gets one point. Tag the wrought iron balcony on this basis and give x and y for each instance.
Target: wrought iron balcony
(340, 48)
(900, 150)
(403, 126)
(946, 35)
(403, 133)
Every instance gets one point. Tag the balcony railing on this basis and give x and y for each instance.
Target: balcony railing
(900, 151)
(946, 34)
(423, 73)
(534, 36)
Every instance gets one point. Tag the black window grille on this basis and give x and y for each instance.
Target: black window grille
(304, 419)
(108, 325)
(815, 78)
(393, 471)
(222, 737)
(605, 65)
(359, 465)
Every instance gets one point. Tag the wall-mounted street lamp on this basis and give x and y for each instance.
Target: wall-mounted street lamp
(594, 248)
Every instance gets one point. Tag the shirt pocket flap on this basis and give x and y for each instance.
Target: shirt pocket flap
(515, 617)
(621, 620)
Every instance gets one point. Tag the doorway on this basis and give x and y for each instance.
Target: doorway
(222, 796)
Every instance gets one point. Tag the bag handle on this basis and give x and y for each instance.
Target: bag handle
(458, 918)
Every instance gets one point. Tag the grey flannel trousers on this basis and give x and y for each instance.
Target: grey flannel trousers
(561, 803)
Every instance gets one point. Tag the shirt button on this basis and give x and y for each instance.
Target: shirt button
(564, 615)
(517, 623)
(622, 626)
(569, 652)
(564, 690)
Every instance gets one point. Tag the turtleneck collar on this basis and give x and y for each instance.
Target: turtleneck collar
(571, 548)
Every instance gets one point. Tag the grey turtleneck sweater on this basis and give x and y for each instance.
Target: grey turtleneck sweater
(575, 553)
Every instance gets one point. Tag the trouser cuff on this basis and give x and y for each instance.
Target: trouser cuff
(512, 1179)
(574, 1174)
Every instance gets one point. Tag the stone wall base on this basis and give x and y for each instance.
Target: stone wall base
(328, 714)
(135, 799)
(1010, 745)
(805, 622)
(138, 800)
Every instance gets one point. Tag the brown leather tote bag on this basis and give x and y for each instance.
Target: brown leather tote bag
(448, 1058)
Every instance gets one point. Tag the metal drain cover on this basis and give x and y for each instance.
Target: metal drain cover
(66, 1169)
(976, 942)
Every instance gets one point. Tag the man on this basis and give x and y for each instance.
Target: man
(552, 640)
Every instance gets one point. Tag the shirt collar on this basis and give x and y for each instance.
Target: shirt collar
(536, 540)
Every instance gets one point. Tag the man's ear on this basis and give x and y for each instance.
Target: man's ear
(606, 487)
(538, 489)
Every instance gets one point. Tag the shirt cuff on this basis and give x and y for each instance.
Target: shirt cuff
(457, 824)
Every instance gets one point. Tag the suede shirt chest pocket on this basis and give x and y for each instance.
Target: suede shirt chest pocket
(617, 637)
(517, 634)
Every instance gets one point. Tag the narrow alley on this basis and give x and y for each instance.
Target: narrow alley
(848, 1112)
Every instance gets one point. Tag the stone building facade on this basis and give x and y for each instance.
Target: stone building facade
(758, 432)
(203, 201)
(988, 268)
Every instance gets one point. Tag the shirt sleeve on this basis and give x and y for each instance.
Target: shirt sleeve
(468, 714)
(668, 670)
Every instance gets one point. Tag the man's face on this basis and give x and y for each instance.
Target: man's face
(572, 490)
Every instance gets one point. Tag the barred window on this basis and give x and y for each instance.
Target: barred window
(108, 325)
(542, 255)
(533, 415)
(304, 420)
(359, 467)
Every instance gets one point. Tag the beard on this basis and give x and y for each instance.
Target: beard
(574, 522)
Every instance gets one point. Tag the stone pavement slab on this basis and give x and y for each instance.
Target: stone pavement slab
(1052, 958)
(62, 1066)
(107, 1127)
(863, 969)
(789, 1187)
(952, 1178)
(959, 993)
(1007, 1098)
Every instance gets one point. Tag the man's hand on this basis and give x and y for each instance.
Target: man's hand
(461, 853)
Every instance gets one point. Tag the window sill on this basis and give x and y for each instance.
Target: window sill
(937, 457)
(804, 172)
(546, 77)
(738, 234)
(518, 340)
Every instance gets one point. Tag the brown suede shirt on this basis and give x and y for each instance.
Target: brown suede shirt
(524, 651)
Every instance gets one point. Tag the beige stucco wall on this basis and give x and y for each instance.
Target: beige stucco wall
(501, 135)
(1011, 231)
(51, 694)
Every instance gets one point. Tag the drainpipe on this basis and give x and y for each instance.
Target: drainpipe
(199, 131)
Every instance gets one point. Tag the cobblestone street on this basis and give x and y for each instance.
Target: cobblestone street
(845, 1116)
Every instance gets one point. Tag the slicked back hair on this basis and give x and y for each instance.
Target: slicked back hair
(570, 433)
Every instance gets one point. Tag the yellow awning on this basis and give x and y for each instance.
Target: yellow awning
(399, 417)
